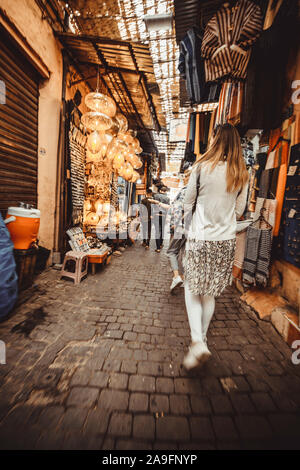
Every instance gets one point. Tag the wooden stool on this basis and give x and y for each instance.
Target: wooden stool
(81, 265)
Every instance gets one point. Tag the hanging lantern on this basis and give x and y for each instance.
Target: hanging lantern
(119, 160)
(96, 121)
(123, 123)
(132, 132)
(101, 103)
(125, 137)
(135, 176)
(121, 171)
(137, 162)
(139, 149)
(128, 171)
(136, 144)
(114, 129)
(94, 142)
(92, 218)
(92, 157)
(131, 158)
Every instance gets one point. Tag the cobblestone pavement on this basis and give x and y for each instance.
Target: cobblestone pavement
(98, 366)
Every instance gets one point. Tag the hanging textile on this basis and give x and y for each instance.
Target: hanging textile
(227, 40)
(257, 256)
(266, 83)
(191, 65)
(270, 206)
(77, 143)
(230, 103)
(288, 246)
(114, 201)
(281, 186)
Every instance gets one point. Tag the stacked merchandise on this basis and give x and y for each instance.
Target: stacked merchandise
(252, 62)
(214, 64)
(77, 142)
(274, 201)
(289, 233)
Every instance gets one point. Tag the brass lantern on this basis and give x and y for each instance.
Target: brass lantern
(96, 121)
(101, 103)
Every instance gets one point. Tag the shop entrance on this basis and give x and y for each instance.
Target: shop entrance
(18, 127)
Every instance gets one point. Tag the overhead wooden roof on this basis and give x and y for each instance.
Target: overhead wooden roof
(125, 71)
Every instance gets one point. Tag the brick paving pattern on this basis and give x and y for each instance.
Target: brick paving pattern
(98, 366)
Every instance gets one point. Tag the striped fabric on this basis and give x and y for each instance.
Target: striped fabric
(227, 40)
(264, 255)
(257, 256)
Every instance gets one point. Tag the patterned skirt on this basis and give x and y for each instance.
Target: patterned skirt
(208, 265)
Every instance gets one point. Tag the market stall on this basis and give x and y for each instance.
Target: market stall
(247, 75)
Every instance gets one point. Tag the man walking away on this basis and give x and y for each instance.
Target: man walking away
(146, 219)
(160, 216)
(177, 239)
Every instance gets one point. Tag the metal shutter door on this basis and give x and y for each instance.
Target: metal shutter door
(18, 128)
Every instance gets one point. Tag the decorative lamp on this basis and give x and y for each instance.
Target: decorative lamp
(119, 159)
(128, 171)
(114, 129)
(123, 123)
(96, 121)
(92, 157)
(135, 176)
(125, 137)
(94, 142)
(92, 218)
(137, 163)
(131, 158)
(101, 103)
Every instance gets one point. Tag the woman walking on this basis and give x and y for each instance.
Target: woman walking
(216, 197)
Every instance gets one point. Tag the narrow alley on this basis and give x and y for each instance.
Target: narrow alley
(98, 366)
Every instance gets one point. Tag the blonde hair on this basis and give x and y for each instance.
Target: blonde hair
(226, 146)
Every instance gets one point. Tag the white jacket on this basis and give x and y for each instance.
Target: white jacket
(216, 210)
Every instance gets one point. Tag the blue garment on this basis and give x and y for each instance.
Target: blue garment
(191, 65)
(8, 276)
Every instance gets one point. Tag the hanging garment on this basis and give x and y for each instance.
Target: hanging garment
(272, 10)
(77, 152)
(266, 83)
(264, 184)
(227, 40)
(251, 255)
(257, 256)
(262, 161)
(264, 257)
(191, 66)
(281, 186)
(288, 246)
(270, 210)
